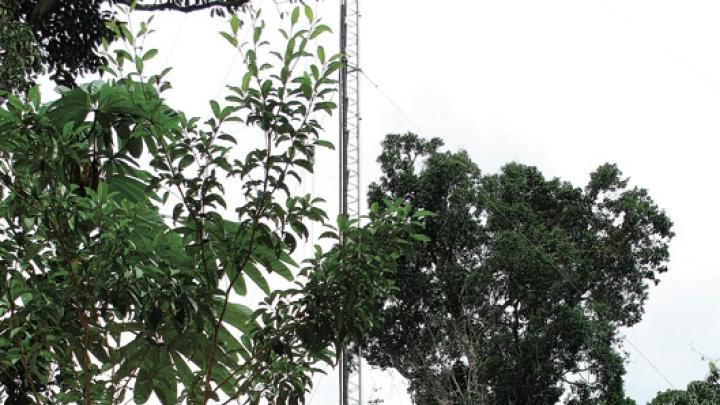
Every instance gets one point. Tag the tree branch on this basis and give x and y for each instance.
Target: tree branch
(171, 5)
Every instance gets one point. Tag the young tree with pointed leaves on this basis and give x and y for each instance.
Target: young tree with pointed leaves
(124, 261)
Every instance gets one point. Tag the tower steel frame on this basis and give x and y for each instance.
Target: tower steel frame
(350, 372)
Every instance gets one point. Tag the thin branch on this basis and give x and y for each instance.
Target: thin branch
(174, 6)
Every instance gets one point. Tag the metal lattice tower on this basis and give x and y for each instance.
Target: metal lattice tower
(350, 108)
(350, 373)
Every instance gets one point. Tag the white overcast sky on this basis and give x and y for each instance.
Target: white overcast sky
(561, 84)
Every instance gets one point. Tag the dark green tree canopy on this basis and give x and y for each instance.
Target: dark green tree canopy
(518, 296)
(68, 33)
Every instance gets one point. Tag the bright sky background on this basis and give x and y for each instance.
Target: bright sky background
(561, 84)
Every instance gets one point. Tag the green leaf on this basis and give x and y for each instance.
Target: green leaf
(246, 342)
(256, 276)
(227, 138)
(73, 106)
(289, 51)
(332, 67)
(237, 315)
(319, 30)
(143, 382)
(34, 96)
(215, 107)
(135, 146)
(246, 81)
(133, 354)
(295, 16)
(220, 374)
(327, 106)
(234, 23)
(113, 100)
(266, 87)
(269, 259)
(239, 286)
(325, 144)
(149, 54)
(186, 161)
(423, 214)
(165, 385)
(283, 270)
(139, 65)
(328, 235)
(129, 188)
(230, 342)
(309, 13)
(327, 355)
(233, 41)
(122, 54)
(343, 222)
(177, 211)
(420, 237)
(321, 54)
(183, 371)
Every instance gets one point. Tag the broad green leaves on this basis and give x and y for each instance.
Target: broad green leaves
(72, 107)
(256, 276)
(125, 260)
(156, 374)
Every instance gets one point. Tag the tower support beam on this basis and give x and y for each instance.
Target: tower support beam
(350, 367)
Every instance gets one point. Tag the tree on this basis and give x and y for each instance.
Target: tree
(705, 392)
(20, 55)
(518, 295)
(68, 34)
(124, 260)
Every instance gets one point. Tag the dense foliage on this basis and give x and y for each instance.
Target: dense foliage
(66, 35)
(518, 295)
(706, 392)
(124, 259)
(20, 55)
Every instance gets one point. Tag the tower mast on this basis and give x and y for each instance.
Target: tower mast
(350, 367)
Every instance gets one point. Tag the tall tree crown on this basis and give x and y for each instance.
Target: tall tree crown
(523, 284)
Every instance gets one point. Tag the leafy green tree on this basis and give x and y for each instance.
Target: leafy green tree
(65, 36)
(20, 55)
(518, 295)
(124, 260)
(706, 392)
